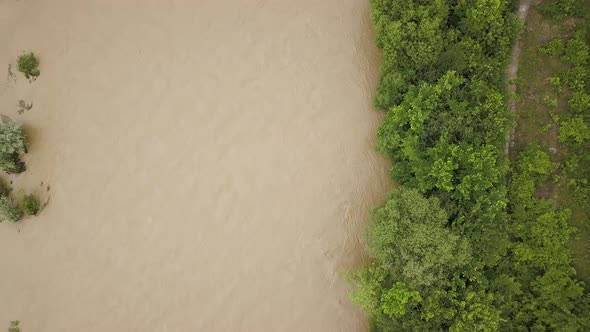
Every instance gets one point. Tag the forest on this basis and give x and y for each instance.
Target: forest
(467, 241)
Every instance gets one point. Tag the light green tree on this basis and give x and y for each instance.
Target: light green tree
(12, 144)
(408, 236)
(8, 211)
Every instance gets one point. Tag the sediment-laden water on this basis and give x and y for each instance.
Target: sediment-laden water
(209, 164)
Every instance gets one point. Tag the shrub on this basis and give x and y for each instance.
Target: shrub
(12, 144)
(574, 130)
(579, 102)
(540, 259)
(30, 205)
(8, 211)
(5, 189)
(28, 64)
(551, 102)
(11, 163)
(12, 138)
(14, 326)
(558, 9)
(556, 83)
(533, 160)
(554, 47)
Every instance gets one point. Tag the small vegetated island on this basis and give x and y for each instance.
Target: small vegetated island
(467, 242)
(13, 144)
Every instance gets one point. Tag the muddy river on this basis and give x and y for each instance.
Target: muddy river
(209, 164)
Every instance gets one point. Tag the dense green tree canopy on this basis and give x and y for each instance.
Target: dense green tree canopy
(467, 245)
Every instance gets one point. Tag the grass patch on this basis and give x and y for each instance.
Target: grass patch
(537, 97)
(580, 243)
(542, 99)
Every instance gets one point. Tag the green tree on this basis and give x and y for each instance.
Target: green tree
(574, 130)
(489, 23)
(12, 138)
(12, 144)
(369, 282)
(412, 34)
(408, 236)
(469, 247)
(11, 163)
(8, 211)
(394, 301)
(28, 64)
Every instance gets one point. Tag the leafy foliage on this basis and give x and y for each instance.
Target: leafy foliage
(414, 253)
(574, 130)
(8, 211)
(558, 9)
(422, 40)
(12, 138)
(11, 163)
(14, 326)
(12, 144)
(28, 64)
(412, 35)
(467, 245)
(30, 205)
(396, 300)
(549, 296)
(575, 53)
(408, 236)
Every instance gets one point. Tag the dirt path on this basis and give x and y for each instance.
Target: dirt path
(512, 72)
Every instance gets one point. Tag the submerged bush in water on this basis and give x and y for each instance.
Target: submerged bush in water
(14, 326)
(8, 211)
(28, 64)
(12, 144)
(30, 205)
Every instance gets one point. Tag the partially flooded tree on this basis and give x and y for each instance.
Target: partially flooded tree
(14, 326)
(8, 211)
(413, 251)
(28, 64)
(408, 236)
(12, 145)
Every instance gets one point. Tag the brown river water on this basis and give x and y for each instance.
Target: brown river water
(209, 164)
